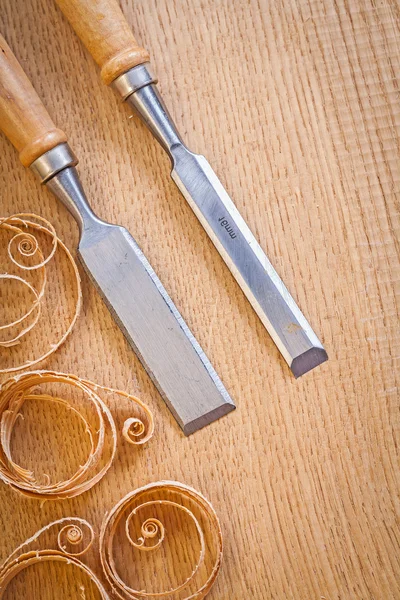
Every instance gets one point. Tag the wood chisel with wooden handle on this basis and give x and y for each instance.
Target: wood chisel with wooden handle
(138, 301)
(125, 66)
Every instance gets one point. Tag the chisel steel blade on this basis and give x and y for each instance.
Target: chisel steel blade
(246, 260)
(147, 316)
(152, 324)
(202, 189)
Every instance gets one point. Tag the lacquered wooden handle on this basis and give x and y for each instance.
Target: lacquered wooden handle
(23, 118)
(105, 32)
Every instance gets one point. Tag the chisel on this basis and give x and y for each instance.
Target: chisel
(145, 313)
(125, 66)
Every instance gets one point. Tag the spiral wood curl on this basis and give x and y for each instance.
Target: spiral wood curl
(102, 435)
(23, 245)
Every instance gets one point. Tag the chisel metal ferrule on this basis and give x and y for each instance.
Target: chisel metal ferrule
(52, 162)
(133, 80)
(56, 169)
(138, 88)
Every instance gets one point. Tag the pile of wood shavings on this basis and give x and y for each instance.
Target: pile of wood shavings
(26, 255)
(102, 435)
(68, 539)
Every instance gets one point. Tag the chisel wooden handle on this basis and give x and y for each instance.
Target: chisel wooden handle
(23, 118)
(105, 32)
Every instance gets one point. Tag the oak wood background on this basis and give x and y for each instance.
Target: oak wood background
(296, 105)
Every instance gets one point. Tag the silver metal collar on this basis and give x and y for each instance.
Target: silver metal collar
(52, 162)
(133, 80)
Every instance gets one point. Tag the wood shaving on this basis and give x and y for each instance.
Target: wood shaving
(69, 539)
(65, 541)
(153, 535)
(22, 246)
(102, 435)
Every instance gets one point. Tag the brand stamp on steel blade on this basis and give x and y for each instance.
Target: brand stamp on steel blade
(225, 224)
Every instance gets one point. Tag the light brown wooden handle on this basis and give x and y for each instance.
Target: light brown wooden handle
(105, 32)
(23, 118)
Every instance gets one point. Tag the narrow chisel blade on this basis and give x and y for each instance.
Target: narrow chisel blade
(246, 260)
(153, 326)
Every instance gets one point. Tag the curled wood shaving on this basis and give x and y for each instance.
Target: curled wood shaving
(22, 246)
(65, 541)
(69, 539)
(153, 535)
(102, 436)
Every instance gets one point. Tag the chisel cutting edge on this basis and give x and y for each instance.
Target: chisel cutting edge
(146, 314)
(106, 34)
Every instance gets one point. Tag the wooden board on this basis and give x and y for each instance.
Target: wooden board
(296, 105)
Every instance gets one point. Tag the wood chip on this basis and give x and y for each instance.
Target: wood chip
(65, 541)
(101, 431)
(25, 253)
(69, 539)
(192, 506)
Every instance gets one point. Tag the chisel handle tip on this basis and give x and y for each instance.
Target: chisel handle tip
(105, 32)
(23, 117)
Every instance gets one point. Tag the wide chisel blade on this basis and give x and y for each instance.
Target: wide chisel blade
(147, 316)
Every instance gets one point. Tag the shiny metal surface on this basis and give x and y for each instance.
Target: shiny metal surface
(150, 107)
(53, 161)
(67, 186)
(145, 313)
(133, 80)
(263, 287)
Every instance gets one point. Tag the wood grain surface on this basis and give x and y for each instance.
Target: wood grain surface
(296, 105)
